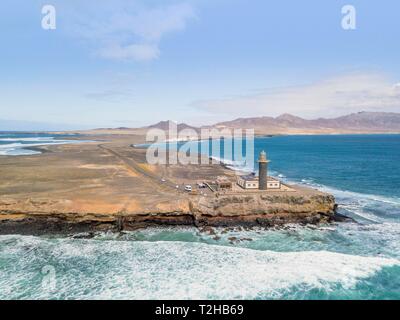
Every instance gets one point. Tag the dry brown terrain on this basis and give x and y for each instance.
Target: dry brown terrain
(109, 184)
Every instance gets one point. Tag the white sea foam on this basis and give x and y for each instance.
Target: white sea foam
(179, 270)
(352, 201)
(11, 145)
(239, 166)
(16, 147)
(357, 203)
(28, 139)
(359, 200)
(357, 210)
(361, 196)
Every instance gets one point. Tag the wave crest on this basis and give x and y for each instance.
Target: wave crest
(180, 270)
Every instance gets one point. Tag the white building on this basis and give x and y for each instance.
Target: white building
(248, 182)
(273, 184)
(251, 182)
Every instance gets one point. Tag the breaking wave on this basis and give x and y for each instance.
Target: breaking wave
(16, 146)
(93, 269)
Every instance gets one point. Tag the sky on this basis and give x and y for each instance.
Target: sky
(130, 63)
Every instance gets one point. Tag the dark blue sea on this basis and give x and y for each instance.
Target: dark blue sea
(347, 260)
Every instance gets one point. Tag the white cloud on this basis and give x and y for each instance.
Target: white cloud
(152, 24)
(138, 52)
(129, 31)
(330, 97)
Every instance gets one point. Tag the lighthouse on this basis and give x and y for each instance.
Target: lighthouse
(262, 171)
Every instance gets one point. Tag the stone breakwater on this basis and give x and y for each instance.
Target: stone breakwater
(258, 209)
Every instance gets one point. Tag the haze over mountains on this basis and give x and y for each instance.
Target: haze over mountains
(361, 122)
(164, 125)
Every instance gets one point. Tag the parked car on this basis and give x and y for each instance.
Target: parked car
(188, 188)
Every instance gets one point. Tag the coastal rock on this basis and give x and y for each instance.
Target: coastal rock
(226, 210)
(265, 210)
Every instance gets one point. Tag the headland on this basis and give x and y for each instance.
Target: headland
(107, 185)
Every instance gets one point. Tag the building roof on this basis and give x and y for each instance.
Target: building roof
(252, 177)
(249, 177)
(222, 179)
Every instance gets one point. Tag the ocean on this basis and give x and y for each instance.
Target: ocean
(349, 260)
(17, 144)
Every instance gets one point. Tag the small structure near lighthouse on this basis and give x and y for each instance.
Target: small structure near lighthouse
(248, 182)
(262, 182)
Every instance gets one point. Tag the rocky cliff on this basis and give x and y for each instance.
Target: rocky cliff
(250, 209)
(264, 209)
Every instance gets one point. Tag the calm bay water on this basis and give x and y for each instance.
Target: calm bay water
(342, 261)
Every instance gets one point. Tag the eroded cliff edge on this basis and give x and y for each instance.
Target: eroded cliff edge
(256, 209)
(264, 209)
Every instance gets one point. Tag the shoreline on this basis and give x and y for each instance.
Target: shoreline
(74, 137)
(51, 226)
(39, 147)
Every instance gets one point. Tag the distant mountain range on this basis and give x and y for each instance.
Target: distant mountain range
(164, 125)
(362, 122)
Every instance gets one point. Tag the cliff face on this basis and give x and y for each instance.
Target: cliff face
(110, 186)
(252, 209)
(264, 209)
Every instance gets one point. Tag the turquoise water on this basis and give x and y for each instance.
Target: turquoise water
(359, 260)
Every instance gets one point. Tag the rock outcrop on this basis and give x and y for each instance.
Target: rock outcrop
(264, 209)
(252, 209)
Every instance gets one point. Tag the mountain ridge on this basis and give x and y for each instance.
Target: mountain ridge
(284, 124)
(360, 122)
